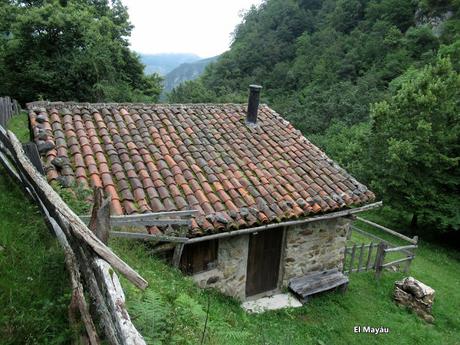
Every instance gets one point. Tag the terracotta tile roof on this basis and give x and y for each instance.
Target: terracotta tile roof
(204, 157)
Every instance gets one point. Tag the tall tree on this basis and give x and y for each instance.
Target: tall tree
(71, 50)
(415, 145)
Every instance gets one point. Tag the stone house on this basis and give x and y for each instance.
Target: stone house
(271, 205)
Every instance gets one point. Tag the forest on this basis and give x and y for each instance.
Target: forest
(374, 83)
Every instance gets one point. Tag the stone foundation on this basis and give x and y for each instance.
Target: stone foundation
(230, 274)
(308, 248)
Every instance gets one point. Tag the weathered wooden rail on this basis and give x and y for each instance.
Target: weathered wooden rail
(8, 108)
(89, 261)
(364, 257)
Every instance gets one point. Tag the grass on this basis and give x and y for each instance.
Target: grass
(34, 286)
(19, 125)
(34, 294)
(173, 310)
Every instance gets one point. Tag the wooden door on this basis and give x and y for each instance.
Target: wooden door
(263, 261)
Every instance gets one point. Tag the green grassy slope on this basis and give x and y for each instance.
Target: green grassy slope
(172, 310)
(34, 287)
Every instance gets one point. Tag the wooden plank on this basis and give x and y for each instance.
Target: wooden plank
(148, 237)
(2, 113)
(148, 222)
(149, 216)
(116, 302)
(16, 107)
(271, 226)
(369, 256)
(317, 282)
(360, 261)
(409, 258)
(402, 248)
(8, 166)
(177, 255)
(147, 219)
(352, 258)
(78, 296)
(375, 237)
(379, 259)
(365, 247)
(31, 151)
(344, 259)
(100, 216)
(78, 227)
(389, 231)
(109, 329)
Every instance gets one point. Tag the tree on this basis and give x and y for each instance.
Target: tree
(415, 145)
(191, 91)
(71, 50)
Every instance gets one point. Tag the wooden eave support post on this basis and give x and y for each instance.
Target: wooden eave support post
(100, 216)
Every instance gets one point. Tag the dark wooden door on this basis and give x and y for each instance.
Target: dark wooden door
(263, 261)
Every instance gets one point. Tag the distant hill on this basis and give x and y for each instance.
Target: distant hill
(165, 63)
(186, 71)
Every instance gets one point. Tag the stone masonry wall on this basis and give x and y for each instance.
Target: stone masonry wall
(230, 274)
(308, 248)
(314, 247)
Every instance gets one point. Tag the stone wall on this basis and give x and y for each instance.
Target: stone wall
(308, 248)
(315, 247)
(230, 274)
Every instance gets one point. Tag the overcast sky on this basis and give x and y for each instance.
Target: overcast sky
(202, 27)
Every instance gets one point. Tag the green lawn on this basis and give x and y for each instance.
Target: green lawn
(172, 310)
(34, 286)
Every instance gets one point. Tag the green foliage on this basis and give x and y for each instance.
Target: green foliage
(73, 50)
(415, 145)
(191, 91)
(321, 61)
(350, 144)
(34, 288)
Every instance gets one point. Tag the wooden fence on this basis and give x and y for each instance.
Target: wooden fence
(8, 108)
(89, 261)
(365, 257)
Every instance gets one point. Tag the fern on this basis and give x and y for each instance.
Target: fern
(227, 333)
(152, 313)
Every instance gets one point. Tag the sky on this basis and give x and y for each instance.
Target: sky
(202, 27)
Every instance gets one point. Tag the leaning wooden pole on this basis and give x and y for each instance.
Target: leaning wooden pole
(90, 275)
(79, 229)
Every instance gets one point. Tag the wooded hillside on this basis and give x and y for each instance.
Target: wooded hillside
(324, 63)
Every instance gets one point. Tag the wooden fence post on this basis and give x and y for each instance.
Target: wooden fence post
(380, 259)
(360, 261)
(353, 251)
(369, 256)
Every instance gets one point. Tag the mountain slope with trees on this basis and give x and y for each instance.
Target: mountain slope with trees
(324, 63)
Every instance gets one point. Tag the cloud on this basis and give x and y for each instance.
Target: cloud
(202, 27)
